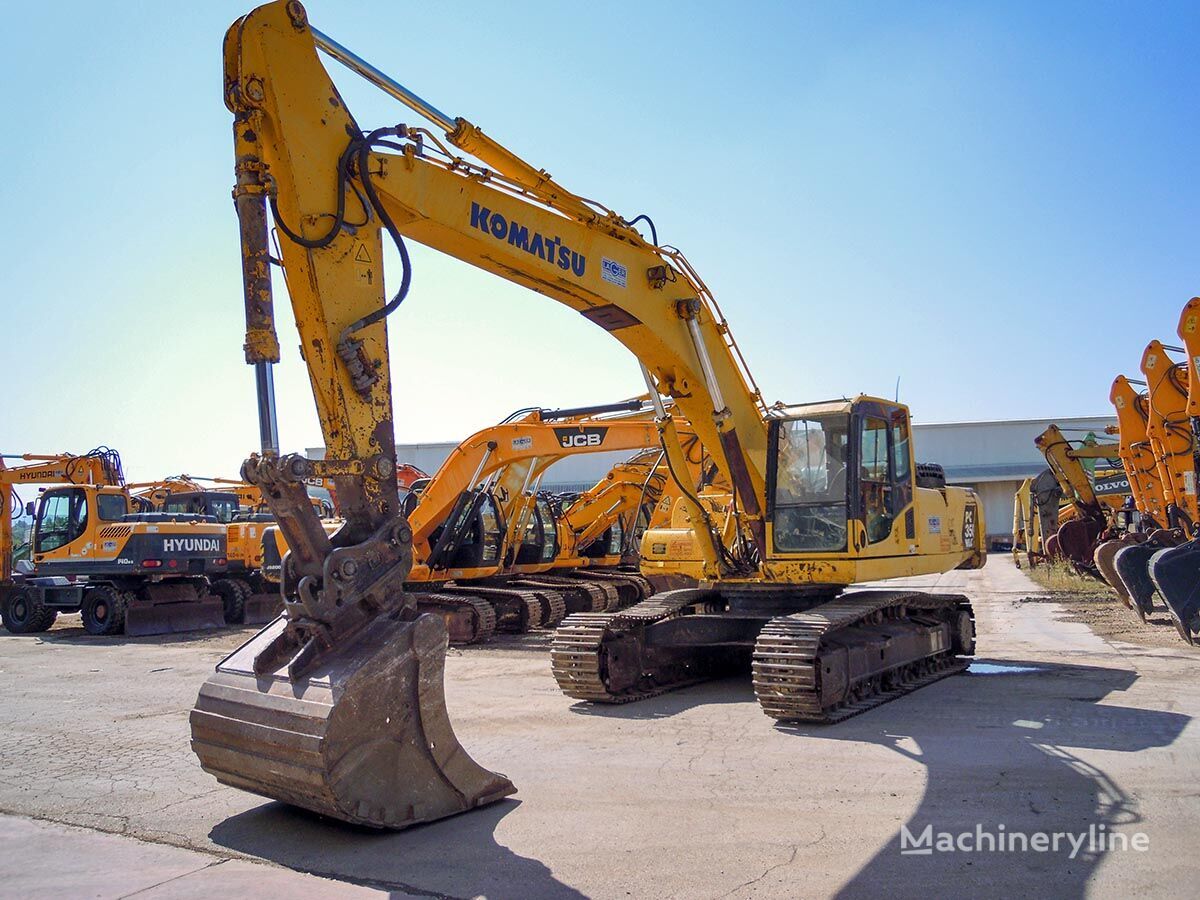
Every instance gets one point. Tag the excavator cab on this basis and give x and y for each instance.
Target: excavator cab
(473, 533)
(539, 544)
(834, 464)
(221, 505)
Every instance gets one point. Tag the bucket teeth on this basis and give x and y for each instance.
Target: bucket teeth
(364, 737)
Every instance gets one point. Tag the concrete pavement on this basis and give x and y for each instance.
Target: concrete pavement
(692, 794)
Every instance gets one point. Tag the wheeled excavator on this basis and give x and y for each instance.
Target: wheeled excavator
(338, 706)
(122, 571)
(1169, 432)
(1175, 571)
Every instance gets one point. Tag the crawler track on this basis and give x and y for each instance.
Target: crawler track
(480, 613)
(787, 657)
(577, 652)
(786, 668)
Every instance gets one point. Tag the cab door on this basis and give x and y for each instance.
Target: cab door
(60, 531)
(882, 497)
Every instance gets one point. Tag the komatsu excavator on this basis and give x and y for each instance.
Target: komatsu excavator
(338, 705)
(1175, 571)
(122, 571)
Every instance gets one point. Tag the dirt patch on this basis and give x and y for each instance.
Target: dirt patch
(1108, 617)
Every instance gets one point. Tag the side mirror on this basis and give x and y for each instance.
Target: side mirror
(30, 508)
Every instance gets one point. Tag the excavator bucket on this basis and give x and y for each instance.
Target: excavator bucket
(262, 608)
(1176, 573)
(169, 609)
(364, 737)
(1105, 560)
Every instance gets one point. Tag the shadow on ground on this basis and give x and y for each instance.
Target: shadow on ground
(456, 857)
(75, 634)
(1007, 746)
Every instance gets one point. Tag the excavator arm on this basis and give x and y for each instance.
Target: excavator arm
(333, 200)
(1170, 432)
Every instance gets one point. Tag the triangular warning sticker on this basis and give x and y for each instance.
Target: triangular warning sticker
(361, 255)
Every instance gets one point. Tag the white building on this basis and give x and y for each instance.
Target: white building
(995, 457)
(991, 457)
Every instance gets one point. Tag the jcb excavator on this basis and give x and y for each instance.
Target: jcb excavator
(1175, 571)
(123, 571)
(479, 525)
(338, 705)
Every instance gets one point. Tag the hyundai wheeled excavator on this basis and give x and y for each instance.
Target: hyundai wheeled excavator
(338, 705)
(122, 571)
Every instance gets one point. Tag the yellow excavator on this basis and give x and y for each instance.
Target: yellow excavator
(123, 571)
(338, 706)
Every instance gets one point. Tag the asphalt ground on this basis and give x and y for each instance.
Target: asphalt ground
(1056, 729)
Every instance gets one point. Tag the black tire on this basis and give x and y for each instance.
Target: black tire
(930, 475)
(103, 611)
(25, 613)
(232, 599)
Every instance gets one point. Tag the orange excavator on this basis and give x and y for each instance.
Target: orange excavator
(338, 706)
(1169, 433)
(1175, 571)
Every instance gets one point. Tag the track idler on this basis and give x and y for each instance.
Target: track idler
(363, 737)
(1175, 571)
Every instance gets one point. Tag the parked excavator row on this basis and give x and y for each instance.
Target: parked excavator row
(493, 552)
(122, 571)
(1158, 426)
(338, 705)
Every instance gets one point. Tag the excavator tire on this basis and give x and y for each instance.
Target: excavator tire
(364, 737)
(103, 610)
(25, 613)
(233, 601)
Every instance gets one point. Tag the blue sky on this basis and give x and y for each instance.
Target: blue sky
(994, 202)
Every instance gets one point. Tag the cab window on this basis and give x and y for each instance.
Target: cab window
(62, 517)
(110, 507)
(808, 474)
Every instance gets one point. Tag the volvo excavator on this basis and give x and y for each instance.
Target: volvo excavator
(338, 705)
(1090, 516)
(123, 571)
